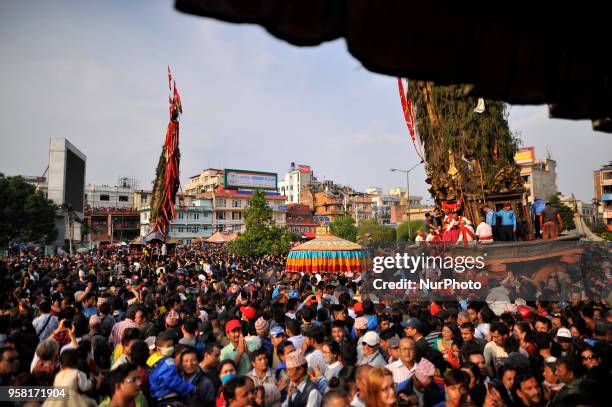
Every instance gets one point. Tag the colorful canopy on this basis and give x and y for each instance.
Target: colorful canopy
(327, 254)
(222, 237)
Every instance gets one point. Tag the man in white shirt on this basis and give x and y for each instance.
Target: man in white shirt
(484, 232)
(404, 368)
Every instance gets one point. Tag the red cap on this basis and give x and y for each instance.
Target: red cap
(248, 312)
(231, 325)
(358, 307)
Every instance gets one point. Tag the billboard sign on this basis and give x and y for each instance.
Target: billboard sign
(305, 169)
(241, 179)
(525, 155)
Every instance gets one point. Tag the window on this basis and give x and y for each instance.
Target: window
(220, 215)
(221, 203)
(181, 215)
(196, 216)
(235, 203)
(104, 197)
(180, 229)
(123, 198)
(236, 215)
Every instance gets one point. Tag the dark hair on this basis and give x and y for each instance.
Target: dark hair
(500, 328)
(521, 378)
(368, 307)
(130, 334)
(316, 333)
(190, 324)
(105, 308)
(45, 307)
(281, 347)
(259, 352)
(210, 347)
(229, 388)
(571, 364)
(474, 369)
(334, 348)
(468, 325)
(140, 353)
(511, 344)
(293, 326)
(456, 376)
(487, 315)
(118, 375)
(348, 354)
(544, 320)
(69, 358)
(542, 340)
(227, 362)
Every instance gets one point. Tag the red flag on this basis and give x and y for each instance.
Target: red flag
(408, 108)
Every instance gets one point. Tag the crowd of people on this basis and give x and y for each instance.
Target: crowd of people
(196, 326)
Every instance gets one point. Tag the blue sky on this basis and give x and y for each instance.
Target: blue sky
(95, 73)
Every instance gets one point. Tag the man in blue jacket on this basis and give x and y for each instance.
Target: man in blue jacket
(165, 381)
(508, 223)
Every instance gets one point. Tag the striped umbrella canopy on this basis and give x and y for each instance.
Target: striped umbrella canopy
(327, 254)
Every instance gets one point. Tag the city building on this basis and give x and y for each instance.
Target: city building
(104, 196)
(297, 180)
(193, 220)
(382, 204)
(337, 203)
(603, 194)
(300, 220)
(587, 211)
(229, 206)
(206, 181)
(415, 200)
(540, 178)
(112, 224)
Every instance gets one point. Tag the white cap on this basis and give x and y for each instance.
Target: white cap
(371, 338)
(564, 333)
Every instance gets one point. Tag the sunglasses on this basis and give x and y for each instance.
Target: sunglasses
(590, 357)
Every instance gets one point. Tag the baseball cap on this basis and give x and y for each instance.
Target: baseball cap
(394, 342)
(231, 325)
(277, 330)
(413, 323)
(371, 338)
(358, 307)
(564, 333)
(248, 312)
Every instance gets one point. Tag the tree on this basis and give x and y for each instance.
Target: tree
(567, 213)
(261, 236)
(402, 230)
(370, 231)
(25, 213)
(344, 227)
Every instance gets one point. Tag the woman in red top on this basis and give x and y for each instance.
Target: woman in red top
(524, 333)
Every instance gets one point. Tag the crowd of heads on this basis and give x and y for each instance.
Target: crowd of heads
(199, 326)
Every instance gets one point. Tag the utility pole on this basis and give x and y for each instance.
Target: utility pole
(407, 172)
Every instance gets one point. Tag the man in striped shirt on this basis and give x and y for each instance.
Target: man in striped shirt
(120, 327)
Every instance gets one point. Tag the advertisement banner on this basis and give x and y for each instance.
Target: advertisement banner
(235, 179)
(525, 155)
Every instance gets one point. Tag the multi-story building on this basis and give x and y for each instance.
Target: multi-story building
(587, 211)
(299, 220)
(399, 213)
(540, 178)
(339, 202)
(229, 206)
(193, 218)
(382, 204)
(297, 180)
(415, 200)
(106, 224)
(104, 196)
(206, 181)
(603, 193)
